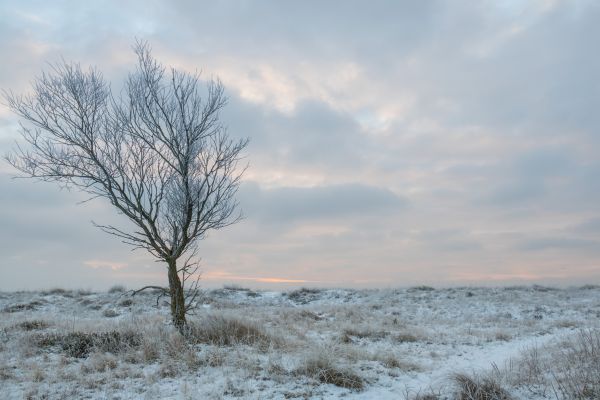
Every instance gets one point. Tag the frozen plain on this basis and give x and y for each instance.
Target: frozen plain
(409, 343)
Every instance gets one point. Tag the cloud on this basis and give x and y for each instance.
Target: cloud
(560, 243)
(590, 226)
(448, 240)
(390, 142)
(95, 264)
(285, 204)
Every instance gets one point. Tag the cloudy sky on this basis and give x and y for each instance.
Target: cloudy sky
(393, 143)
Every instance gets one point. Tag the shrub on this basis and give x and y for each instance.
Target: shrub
(32, 325)
(117, 289)
(390, 361)
(428, 396)
(405, 338)
(226, 331)
(79, 344)
(126, 303)
(364, 334)
(55, 291)
(322, 368)
(540, 288)
(576, 367)
(110, 313)
(310, 315)
(6, 373)
(303, 295)
(569, 369)
(235, 288)
(476, 389)
(22, 307)
(421, 288)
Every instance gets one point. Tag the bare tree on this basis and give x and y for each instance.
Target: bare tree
(158, 152)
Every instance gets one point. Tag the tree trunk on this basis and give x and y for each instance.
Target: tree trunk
(177, 297)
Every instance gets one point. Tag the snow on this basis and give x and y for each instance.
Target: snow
(401, 342)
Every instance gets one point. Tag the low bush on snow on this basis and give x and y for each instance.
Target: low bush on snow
(321, 367)
(228, 331)
(80, 345)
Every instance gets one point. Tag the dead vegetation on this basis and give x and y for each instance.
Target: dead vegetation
(475, 388)
(80, 344)
(303, 295)
(569, 369)
(321, 367)
(32, 325)
(228, 331)
(33, 305)
(313, 344)
(421, 288)
(117, 289)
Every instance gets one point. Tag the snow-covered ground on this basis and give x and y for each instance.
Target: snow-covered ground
(374, 344)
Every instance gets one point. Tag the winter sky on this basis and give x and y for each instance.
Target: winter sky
(393, 143)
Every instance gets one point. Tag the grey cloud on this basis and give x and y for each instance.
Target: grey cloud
(293, 204)
(312, 135)
(543, 162)
(46, 238)
(448, 240)
(38, 214)
(307, 28)
(515, 193)
(559, 243)
(491, 113)
(538, 80)
(531, 177)
(590, 226)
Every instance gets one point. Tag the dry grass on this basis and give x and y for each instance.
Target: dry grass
(421, 288)
(32, 325)
(60, 291)
(126, 303)
(371, 334)
(427, 396)
(117, 289)
(291, 344)
(229, 331)
(303, 295)
(321, 367)
(100, 362)
(473, 388)
(576, 372)
(566, 370)
(393, 362)
(110, 313)
(80, 344)
(33, 305)
(502, 336)
(5, 373)
(406, 337)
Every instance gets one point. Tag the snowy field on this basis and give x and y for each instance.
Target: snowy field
(416, 343)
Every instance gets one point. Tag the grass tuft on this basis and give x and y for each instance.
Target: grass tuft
(33, 305)
(32, 325)
(117, 289)
(479, 389)
(303, 295)
(227, 331)
(80, 345)
(576, 370)
(322, 368)
(422, 288)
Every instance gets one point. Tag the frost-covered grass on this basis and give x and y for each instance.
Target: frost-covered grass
(415, 343)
